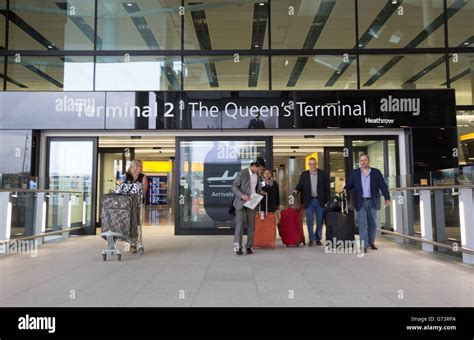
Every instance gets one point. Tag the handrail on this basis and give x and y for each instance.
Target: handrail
(437, 244)
(440, 187)
(42, 190)
(41, 235)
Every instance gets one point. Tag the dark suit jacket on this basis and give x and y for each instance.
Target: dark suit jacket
(304, 186)
(377, 184)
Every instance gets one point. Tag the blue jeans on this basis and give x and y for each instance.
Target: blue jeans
(367, 215)
(315, 206)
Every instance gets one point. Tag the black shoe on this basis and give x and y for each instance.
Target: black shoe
(249, 251)
(311, 243)
(238, 249)
(319, 243)
(372, 246)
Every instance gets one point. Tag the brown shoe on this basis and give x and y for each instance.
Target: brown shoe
(319, 243)
(133, 248)
(311, 243)
(372, 246)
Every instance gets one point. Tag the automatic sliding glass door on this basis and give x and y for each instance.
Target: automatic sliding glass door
(383, 152)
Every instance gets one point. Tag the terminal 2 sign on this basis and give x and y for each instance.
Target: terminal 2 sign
(228, 109)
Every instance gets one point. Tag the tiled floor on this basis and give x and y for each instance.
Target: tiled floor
(203, 271)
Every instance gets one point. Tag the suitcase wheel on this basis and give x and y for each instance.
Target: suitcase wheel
(141, 250)
(119, 257)
(104, 257)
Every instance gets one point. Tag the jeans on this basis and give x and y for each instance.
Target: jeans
(315, 206)
(367, 216)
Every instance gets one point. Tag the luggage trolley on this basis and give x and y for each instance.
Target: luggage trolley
(121, 217)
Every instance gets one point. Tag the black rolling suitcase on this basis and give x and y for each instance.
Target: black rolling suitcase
(339, 223)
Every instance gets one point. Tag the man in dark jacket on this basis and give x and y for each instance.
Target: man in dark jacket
(315, 188)
(367, 182)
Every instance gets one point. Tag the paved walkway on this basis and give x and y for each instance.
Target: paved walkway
(203, 271)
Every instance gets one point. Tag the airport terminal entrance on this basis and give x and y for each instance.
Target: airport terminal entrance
(206, 167)
(157, 154)
(190, 177)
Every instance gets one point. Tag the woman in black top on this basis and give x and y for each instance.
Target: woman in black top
(135, 175)
(273, 193)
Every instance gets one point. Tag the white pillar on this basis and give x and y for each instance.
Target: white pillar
(426, 219)
(66, 213)
(466, 217)
(397, 213)
(5, 216)
(40, 216)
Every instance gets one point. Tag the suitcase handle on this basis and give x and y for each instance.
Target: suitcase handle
(344, 206)
(266, 205)
(294, 199)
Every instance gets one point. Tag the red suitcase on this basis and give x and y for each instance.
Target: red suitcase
(291, 227)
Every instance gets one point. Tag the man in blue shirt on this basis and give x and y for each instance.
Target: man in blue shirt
(367, 183)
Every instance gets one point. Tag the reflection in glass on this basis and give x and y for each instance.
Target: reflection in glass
(51, 25)
(383, 156)
(138, 25)
(70, 168)
(15, 153)
(226, 73)
(461, 71)
(460, 27)
(313, 24)
(207, 170)
(3, 29)
(2, 71)
(395, 24)
(50, 74)
(402, 71)
(337, 173)
(225, 25)
(138, 73)
(465, 127)
(314, 72)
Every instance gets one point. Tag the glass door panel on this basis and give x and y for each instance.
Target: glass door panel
(206, 169)
(71, 166)
(383, 154)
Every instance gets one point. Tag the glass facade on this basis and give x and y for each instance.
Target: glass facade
(71, 167)
(414, 71)
(51, 25)
(172, 45)
(71, 73)
(138, 25)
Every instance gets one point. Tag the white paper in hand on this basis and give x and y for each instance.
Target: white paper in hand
(253, 201)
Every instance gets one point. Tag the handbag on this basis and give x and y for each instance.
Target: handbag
(127, 188)
(339, 203)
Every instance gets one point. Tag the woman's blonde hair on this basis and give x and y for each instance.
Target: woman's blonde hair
(136, 163)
